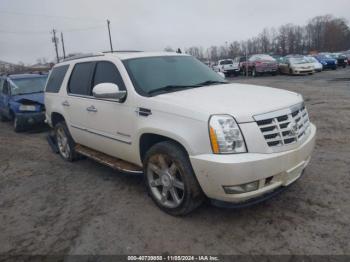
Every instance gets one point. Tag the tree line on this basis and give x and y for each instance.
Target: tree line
(321, 34)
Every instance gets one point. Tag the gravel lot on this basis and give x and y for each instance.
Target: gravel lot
(48, 206)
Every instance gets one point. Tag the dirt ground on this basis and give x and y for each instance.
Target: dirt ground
(48, 206)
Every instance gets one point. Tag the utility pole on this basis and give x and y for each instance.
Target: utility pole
(64, 51)
(109, 32)
(54, 40)
(246, 60)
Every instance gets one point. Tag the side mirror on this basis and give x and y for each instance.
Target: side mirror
(221, 74)
(108, 91)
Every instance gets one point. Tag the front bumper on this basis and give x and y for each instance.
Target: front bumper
(298, 71)
(279, 169)
(231, 71)
(330, 66)
(266, 69)
(27, 119)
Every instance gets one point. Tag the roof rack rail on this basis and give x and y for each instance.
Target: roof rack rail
(121, 51)
(82, 56)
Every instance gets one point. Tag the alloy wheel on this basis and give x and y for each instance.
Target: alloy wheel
(62, 142)
(166, 181)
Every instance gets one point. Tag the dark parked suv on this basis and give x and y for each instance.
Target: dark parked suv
(259, 64)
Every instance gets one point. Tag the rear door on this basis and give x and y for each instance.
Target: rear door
(78, 100)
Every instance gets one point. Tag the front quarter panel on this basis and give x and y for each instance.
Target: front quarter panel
(190, 133)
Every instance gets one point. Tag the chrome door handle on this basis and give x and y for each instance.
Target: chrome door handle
(65, 103)
(91, 109)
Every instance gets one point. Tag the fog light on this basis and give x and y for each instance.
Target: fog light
(244, 188)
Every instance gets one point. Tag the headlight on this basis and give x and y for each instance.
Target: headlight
(27, 108)
(225, 135)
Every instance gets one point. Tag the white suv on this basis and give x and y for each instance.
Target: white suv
(192, 134)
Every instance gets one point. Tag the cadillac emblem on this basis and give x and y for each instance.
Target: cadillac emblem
(293, 128)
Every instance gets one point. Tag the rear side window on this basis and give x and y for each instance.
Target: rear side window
(56, 78)
(107, 72)
(80, 80)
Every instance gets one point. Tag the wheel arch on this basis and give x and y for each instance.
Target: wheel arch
(148, 139)
(56, 118)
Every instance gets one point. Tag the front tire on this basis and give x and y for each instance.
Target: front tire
(170, 179)
(65, 142)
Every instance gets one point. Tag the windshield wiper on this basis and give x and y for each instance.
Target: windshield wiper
(174, 88)
(211, 82)
(171, 88)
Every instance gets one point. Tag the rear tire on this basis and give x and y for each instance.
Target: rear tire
(65, 142)
(170, 179)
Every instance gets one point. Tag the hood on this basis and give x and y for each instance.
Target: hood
(239, 100)
(35, 97)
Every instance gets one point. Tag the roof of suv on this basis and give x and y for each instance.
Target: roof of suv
(122, 55)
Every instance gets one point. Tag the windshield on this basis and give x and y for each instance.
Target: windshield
(299, 60)
(226, 62)
(169, 73)
(28, 85)
(312, 59)
(262, 58)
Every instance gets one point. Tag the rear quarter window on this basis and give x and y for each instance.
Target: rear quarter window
(56, 78)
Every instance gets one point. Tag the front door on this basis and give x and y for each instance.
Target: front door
(110, 124)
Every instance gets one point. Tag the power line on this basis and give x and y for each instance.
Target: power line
(50, 16)
(45, 32)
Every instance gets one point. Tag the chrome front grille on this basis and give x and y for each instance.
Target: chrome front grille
(284, 127)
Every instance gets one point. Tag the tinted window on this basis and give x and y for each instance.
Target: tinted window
(226, 62)
(56, 78)
(80, 80)
(107, 72)
(170, 72)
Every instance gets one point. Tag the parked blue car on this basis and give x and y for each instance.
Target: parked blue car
(22, 100)
(327, 62)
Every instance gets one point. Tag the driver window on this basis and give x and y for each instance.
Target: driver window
(107, 72)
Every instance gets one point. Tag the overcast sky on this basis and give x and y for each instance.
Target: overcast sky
(149, 25)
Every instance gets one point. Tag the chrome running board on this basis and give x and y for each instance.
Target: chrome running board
(115, 163)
